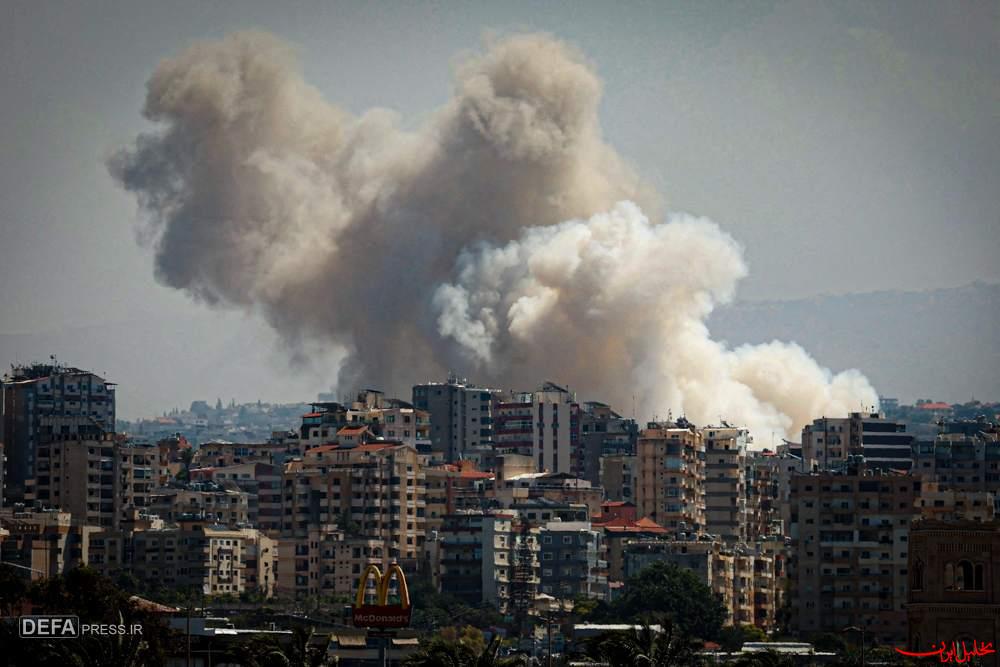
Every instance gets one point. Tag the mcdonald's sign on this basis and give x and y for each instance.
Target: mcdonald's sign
(382, 614)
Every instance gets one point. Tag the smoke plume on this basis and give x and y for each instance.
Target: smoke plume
(504, 238)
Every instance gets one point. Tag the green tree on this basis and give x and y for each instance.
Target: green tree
(678, 594)
(13, 588)
(464, 649)
(94, 599)
(303, 651)
(647, 645)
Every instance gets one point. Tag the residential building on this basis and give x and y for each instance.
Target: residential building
(619, 532)
(320, 426)
(558, 487)
(223, 454)
(746, 578)
(78, 473)
(172, 452)
(139, 470)
(602, 431)
(325, 561)
(376, 491)
(556, 444)
(618, 476)
(943, 504)
(261, 482)
(43, 543)
(671, 475)
(454, 487)
(769, 503)
(540, 511)
(461, 415)
(849, 533)
(726, 488)
(204, 501)
(209, 559)
(407, 425)
(31, 393)
(954, 591)
(98, 477)
(513, 433)
(884, 443)
(965, 456)
(572, 561)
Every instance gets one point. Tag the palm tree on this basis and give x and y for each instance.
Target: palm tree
(300, 653)
(646, 645)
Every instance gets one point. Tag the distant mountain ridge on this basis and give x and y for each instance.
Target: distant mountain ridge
(942, 343)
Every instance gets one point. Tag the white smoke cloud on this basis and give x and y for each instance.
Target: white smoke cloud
(630, 298)
(447, 248)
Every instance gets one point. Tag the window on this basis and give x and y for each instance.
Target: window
(917, 576)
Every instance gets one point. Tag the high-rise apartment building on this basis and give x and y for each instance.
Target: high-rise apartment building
(43, 543)
(556, 430)
(884, 443)
(99, 478)
(572, 561)
(602, 432)
(324, 560)
(726, 481)
(375, 491)
(195, 556)
(618, 476)
(850, 545)
(33, 392)
(544, 424)
(461, 415)
(965, 456)
(671, 475)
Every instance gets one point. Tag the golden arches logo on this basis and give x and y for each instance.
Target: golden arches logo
(382, 614)
(382, 585)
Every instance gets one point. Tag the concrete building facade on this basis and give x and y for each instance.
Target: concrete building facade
(33, 392)
(850, 546)
(671, 475)
(461, 415)
(726, 488)
(954, 592)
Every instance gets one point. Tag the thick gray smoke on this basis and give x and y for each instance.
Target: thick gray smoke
(504, 238)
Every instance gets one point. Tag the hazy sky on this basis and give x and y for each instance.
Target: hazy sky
(849, 147)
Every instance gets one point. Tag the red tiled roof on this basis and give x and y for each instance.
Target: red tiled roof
(323, 448)
(312, 414)
(646, 522)
(352, 430)
(621, 525)
(475, 474)
(149, 605)
(615, 503)
(375, 446)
